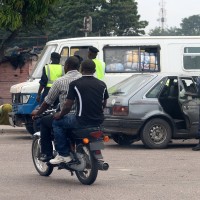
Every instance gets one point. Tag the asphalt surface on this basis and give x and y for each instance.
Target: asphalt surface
(135, 173)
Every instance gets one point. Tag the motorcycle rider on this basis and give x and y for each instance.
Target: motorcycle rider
(90, 96)
(59, 89)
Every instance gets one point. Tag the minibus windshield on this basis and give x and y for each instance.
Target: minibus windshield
(44, 59)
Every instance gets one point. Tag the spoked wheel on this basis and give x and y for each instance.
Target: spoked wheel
(89, 174)
(42, 168)
(156, 134)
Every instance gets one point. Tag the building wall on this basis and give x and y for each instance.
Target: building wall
(9, 76)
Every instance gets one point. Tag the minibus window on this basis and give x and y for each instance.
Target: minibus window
(43, 60)
(82, 51)
(191, 58)
(131, 59)
(64, 55)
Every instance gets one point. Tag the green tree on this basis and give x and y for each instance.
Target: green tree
(121, 18)
(172, 31)
(191, 25)
(65, 19)
(20, 15)
(108, 17)
(188, 26)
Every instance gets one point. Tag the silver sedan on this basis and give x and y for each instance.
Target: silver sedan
(154, 108)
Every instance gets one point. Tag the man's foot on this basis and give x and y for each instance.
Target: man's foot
(60, 159)
(45, 158)
(196, 148)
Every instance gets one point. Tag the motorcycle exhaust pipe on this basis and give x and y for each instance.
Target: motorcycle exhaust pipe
(103, 166)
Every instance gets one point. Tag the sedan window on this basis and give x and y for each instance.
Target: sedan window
(155, 91)
(131, 84)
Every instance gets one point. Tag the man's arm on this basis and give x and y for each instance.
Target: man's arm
(39, 93)
(65, 110)
(53, 94)
(43, 82)
(104, 103)
(42, 108)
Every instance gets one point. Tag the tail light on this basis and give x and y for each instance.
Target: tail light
(85, 141)
(106, 138)
(120, 110)
(96, 134)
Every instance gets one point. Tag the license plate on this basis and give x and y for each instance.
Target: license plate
(96, 145)
(106, 111)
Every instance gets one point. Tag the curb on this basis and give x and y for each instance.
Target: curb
(12, 130)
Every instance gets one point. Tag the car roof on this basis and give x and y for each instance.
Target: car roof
(164, 74)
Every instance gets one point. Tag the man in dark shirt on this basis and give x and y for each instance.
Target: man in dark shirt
(91, 96)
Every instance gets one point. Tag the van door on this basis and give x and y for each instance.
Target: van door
(189, 103)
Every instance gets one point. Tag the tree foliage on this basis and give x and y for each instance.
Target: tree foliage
(189, 27)
(62, 19)
(21, 15)
(108, 17)
(172, 31)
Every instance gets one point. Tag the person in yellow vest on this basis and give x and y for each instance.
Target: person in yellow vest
(49, 74)
(100, 65)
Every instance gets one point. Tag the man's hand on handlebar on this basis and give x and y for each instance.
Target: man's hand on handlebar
(56, 116)
(34, 113)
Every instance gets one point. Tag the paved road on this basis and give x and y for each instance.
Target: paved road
(135, 174)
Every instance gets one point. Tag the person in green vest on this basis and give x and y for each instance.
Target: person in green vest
(100, 65)
(49, 74)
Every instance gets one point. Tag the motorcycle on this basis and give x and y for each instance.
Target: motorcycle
(85, 151)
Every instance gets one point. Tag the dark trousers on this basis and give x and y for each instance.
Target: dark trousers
(46, 135)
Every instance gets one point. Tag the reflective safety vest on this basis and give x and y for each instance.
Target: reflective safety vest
(100, 68)
(53, 71)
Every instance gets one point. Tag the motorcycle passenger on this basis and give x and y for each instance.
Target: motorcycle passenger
(59, 89)
(90, 96)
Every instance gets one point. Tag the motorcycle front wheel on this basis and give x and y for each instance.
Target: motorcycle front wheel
(89, 174)
(42, 168)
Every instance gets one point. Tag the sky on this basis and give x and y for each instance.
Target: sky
(176, 10)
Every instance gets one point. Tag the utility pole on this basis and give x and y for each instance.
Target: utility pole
(162, 15)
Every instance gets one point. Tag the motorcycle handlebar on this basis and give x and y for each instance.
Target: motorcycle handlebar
(48, 112)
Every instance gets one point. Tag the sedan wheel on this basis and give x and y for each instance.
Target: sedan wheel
(156, 134)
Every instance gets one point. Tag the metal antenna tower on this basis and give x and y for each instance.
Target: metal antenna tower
(162, 15)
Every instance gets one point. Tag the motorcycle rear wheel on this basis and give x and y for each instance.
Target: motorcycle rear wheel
(89, 174)
(42, 168)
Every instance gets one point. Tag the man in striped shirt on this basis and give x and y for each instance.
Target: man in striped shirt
(59, 89)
